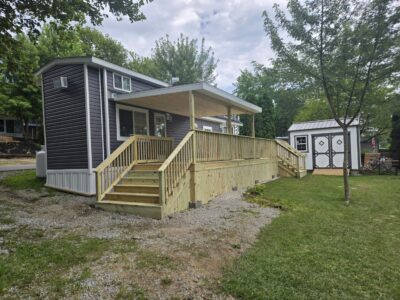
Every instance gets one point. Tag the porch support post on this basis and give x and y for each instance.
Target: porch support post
(192, 117)
(253, 134)
(253, 126)
(229, 121)
(191, 111)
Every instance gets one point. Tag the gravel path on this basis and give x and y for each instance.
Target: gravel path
(200, 242)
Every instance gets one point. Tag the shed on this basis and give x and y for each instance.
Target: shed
(323, 144)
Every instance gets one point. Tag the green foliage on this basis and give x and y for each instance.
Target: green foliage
(19, 93)
(182, 58)
(20, 16)
(313, 109)
(320, 249)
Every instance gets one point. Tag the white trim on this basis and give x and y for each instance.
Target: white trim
(165, 121)
(306, 143)
(132, 109)
(207, 128)
(122, 82)
(44, 120)
(107, 112)
(87, 105)
(101, 116)
(96, 62)
(221, 121)
(203, 88)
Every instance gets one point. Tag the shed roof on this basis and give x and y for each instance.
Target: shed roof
(320, 124)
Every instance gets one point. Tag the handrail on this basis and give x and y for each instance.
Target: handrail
(175, 166)
(288, 147)
(137, 148)
(287, 154)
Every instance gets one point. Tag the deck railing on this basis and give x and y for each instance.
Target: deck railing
(213, 146)
(176, 165)
(138, 148)
(290, 155)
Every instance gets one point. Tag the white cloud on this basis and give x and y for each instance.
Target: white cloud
(233, 28)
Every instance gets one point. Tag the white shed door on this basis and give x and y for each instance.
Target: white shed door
(328, 151)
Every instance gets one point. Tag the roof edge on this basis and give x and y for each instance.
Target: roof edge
(94, 61)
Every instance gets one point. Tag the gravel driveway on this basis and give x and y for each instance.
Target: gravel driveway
(197, 243)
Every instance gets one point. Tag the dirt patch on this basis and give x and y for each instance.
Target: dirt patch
(180, 257)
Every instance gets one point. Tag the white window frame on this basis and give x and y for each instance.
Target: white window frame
(132, 109)
(165, 119)
(301, 136)
(207, 128)
(122, 81)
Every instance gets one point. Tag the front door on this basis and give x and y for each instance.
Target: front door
(328, 151)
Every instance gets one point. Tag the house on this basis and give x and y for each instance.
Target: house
(11, 127)
(322, 143)
(143, 146)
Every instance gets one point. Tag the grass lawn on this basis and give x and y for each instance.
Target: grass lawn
(321, 249)
(23, 180)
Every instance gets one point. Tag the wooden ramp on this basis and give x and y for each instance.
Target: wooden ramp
(329, 172)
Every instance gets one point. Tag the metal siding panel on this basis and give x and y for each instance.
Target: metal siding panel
(65, 118)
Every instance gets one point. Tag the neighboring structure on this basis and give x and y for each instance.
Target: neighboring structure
(11, 126)
(322, 143)
(147, 147)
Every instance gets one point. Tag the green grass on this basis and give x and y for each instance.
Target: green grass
(23, 180)
(44, 261)
(321, 249)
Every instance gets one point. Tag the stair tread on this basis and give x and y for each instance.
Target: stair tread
(138, 185)
(130, 203)
(140, 177)
(133, 194)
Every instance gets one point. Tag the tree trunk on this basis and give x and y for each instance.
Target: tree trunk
(346, 165)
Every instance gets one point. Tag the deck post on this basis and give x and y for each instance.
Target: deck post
(253, 134)
(192, 115)
(229, 121)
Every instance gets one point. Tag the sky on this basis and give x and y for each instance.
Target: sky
(233, 28)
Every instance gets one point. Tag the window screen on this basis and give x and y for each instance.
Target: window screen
(301, 143)
(125, 123)
(140, 123)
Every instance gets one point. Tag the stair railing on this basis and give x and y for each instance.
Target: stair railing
(294, 158)
(175, 166)
(136, 149)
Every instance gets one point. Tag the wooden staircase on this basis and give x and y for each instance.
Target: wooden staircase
(138, 191)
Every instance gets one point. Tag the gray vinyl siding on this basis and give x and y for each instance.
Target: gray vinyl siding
(95, 116)
(215, 126)
(65, 119)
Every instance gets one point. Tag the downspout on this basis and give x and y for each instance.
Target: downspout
(101, 117)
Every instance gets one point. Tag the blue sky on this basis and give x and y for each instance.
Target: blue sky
(233, 28)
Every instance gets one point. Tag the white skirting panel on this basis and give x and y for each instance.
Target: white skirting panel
(77, 181)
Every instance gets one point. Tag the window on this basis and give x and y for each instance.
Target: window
(131, 120)
(2, 125)
(160, 125)
(13, 126)
(122, 83)
(207, 128)
(301, 143)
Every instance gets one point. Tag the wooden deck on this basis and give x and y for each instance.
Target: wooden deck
(328, 172)
(145, 176)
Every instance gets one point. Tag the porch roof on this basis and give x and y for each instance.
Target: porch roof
(209, 100)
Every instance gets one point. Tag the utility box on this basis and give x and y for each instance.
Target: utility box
(41, 163)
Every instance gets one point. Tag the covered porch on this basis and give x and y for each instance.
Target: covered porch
(149, 176)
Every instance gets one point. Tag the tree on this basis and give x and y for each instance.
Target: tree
(255, 87)
(345, 47)
(95, 43)
(313, 109)
(182, 58)
(27, 16)
(19, 92)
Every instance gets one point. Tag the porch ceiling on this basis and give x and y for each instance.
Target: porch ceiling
(209, 101)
